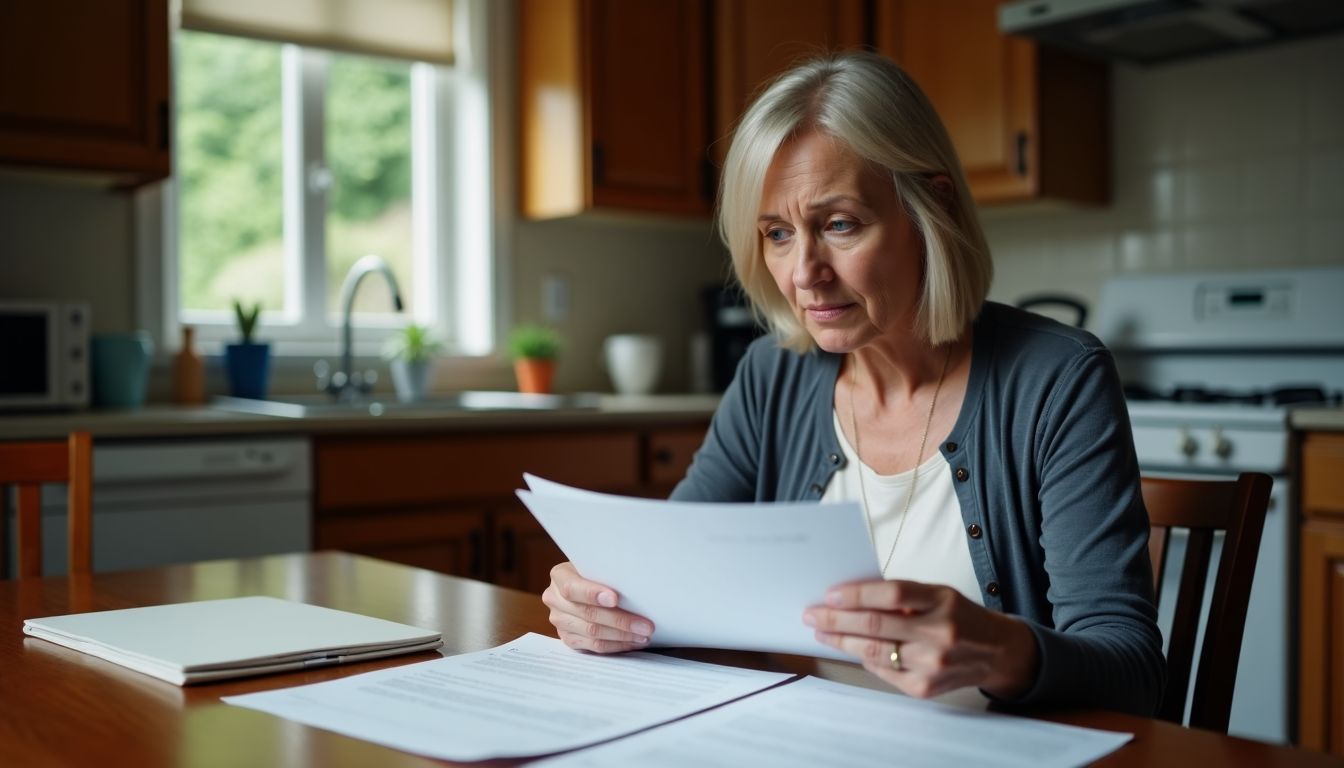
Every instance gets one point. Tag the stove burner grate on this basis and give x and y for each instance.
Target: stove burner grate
(1194, 393)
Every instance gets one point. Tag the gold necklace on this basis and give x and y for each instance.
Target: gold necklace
(919, 457)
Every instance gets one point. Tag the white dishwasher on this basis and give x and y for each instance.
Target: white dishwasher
(176, 501)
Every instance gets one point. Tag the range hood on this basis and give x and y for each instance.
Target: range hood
(1154, 31)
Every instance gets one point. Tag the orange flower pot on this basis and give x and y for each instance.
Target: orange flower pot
(534, 375)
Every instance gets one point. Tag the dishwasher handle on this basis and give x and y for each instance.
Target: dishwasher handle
(125, 464)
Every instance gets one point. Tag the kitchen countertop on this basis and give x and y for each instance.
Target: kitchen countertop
(1318, 418)
(179, 421)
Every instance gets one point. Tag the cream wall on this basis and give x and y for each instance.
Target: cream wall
(68, 240)
(1230, 162)
(624, 276)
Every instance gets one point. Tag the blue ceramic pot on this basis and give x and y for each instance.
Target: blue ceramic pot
(249, 369)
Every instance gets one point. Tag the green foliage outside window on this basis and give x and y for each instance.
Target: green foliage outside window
(231, 175)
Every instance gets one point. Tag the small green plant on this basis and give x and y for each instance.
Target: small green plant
(247, 318)
(414, 344)
(534, 342)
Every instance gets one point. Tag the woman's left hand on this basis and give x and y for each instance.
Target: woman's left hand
(944, 641)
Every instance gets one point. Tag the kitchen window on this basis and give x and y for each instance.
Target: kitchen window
(292, 162)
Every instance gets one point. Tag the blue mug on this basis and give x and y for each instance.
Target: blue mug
(120, 368)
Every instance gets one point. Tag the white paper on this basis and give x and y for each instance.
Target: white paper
(529, 697)
(214, 639)
(814, 722)
(712, 575)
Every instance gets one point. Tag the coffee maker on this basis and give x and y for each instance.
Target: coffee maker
(732, 328)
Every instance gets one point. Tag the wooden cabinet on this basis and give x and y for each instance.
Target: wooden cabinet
(755, 40)
(613, 111)
(85, 87)
(446, 502)
(613, 118)
(1321, 655)
(1028, 122)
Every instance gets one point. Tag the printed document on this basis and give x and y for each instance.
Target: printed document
(529, 697)
(708, 574)
(815, 722)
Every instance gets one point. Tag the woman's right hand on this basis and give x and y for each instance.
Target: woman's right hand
(586, 616)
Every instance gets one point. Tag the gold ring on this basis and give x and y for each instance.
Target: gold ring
(896, 656)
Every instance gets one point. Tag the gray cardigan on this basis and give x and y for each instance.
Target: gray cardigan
(1043, 463)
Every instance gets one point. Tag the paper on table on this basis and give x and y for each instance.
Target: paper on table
(207, 640)
(529, 697)
(711, 575)
(814, 722)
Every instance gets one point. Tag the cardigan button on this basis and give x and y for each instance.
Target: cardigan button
(974, 530)
(951, 447)
(992, 588)
(962, 474)
(834, 458)
(817, 489)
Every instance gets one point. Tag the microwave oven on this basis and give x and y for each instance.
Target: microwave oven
(44, 355)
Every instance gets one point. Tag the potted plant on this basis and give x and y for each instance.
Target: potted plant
(534, 349)
(248, 362)
(410, 355)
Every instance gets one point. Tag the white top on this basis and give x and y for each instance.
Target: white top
(932, 546)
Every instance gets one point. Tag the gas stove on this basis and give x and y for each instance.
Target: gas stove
(1289, 394)
(1213, 364)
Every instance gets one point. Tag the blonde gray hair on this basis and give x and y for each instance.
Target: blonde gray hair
(870, 105)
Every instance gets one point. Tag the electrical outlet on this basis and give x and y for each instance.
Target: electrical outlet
(555, 298)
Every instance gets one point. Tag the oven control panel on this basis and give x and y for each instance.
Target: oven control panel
(1210, 448)
(1242, 302)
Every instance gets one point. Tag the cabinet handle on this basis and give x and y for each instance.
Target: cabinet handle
(1022, 153)
(708, 179)
(165, 124)
(476, 541)
(509, 557)
(662, 456)
(599, 162)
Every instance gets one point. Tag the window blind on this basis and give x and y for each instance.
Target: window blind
(418, 30)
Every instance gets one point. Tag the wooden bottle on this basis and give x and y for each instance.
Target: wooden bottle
(188, 371)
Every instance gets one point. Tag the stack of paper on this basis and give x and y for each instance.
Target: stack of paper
(711, 575)
(216, 639)
(534, 696)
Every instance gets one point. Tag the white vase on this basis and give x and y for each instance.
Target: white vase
(411, 379)
(634, 362)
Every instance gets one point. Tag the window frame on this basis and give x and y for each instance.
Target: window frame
(455, 218)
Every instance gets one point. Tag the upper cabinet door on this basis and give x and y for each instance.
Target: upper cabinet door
(648, 70)
(1027, 123)
(614, 110)
(86, 86)
(756, 40)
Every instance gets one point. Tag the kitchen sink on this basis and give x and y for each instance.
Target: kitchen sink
(318, 405)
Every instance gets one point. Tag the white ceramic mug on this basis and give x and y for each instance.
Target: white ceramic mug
(633, 362)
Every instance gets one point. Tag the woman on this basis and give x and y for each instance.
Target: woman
(990, 448)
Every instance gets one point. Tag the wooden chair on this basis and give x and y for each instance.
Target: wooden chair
(1238, 508)
(27, 465)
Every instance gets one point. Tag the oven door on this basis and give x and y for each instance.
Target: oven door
(1263, 692)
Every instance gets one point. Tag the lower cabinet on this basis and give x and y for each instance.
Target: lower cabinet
(446, 501)
(1321, 656)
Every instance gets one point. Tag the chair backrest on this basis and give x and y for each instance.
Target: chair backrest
(26, 466)
(1236, 507)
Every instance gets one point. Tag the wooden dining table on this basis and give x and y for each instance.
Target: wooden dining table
(60, 707)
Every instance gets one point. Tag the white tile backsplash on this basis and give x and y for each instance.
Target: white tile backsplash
(1324, 68)
(1227, 162)
(1325, 180)
(1325, 241)
(1212, 191)
(1271, 185)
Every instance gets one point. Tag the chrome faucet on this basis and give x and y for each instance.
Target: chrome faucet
(345, 383)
